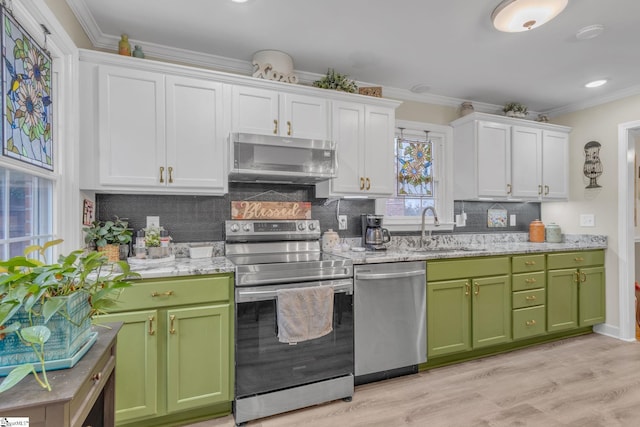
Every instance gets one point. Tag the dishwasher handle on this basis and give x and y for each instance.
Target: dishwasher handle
(394, 275)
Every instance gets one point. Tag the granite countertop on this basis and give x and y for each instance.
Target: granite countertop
(400, 249)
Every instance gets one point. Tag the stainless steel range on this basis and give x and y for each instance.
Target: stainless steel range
(273, 376)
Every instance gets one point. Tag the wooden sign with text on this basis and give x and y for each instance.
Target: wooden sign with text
(270, 210)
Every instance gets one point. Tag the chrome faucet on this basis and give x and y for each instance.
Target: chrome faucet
(436, 222)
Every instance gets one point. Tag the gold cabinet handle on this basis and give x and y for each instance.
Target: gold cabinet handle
(275, 128)
(172, 318)
(368, 183)
(546, 190)
(539, 190)
(151, 331)
(508, 188)
(530, 322)
(583, 277)
(170, 175)
(530, 280)
(530, 298)
(361, 183)
(529, 263)
(289, 128)
(161, 174)
(467, 289)
(578, 259)
(161, 294)
(577, 279)
(477, 291)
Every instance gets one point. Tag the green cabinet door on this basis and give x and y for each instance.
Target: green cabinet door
(591, 296)
(491, 308)
(448, 319)
(137, 367)
(562, 299)
(198, 361)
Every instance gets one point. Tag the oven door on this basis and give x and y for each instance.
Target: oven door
(264, 364)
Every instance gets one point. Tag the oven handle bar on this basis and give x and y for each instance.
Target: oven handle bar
(271, 292)
(382, 276)
(247, 279)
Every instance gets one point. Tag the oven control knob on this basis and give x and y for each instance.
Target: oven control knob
(301, 226)
(312, 226)
(234, 227)
(246, 227)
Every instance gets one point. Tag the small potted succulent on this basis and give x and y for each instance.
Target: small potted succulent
(108, 236)
(514, 109)
(336, 81)
(40, 300)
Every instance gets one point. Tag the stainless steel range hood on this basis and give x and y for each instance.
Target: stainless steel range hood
(278, 159)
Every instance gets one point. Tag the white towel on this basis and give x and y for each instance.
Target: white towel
(304, 313)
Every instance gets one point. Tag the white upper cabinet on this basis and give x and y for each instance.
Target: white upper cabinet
(151, 132)
(268, 112)
(364, 137)
(500, 158)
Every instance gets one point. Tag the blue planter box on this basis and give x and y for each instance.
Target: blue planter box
(66, 338)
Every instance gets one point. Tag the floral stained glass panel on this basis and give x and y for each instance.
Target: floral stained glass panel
(26, 91)
(414, 167)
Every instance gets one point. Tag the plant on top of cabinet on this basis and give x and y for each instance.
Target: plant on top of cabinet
(514, 109)
(336, 81)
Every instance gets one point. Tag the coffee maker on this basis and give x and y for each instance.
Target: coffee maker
(374, 236)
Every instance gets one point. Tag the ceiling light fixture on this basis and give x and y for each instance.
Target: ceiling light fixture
(513, 16)
(239, 1)
(596, 83)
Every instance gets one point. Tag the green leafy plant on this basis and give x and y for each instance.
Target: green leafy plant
(152, 236)
(114, 232)
(31, 285)
(516, 108)
(336, 81)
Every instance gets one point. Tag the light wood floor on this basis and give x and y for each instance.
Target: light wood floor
(586, 381)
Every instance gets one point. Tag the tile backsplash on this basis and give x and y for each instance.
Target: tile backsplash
(201, 218)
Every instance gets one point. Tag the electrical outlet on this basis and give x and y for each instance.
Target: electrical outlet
(587, 220)
(153, 221)
(342, 222)
(512, 220)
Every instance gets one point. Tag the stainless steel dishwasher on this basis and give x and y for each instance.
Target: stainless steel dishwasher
(390, 319)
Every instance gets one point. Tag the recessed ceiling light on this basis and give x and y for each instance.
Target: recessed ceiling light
(420, 88)
(596, 83)
(589, 32)
(239, 1)
(513, 16)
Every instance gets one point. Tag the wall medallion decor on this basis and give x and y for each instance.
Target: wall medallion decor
(26, 87)
(592, 164)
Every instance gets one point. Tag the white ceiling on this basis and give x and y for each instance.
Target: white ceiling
(448, 45)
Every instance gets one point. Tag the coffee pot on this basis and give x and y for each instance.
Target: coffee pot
(374, 236)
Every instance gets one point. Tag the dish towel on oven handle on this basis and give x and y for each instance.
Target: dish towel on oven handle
(304, 313)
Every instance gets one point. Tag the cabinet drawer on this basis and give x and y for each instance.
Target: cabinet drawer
(528, 298)
(528, 322)
(523, 281)
(523, 263)
(173, 292)
(465, 268)
(574, 259)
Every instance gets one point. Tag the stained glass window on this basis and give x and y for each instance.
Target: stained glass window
(414, 167)
(26, 89)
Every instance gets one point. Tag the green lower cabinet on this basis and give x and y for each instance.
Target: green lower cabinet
(529, 322)
(174, 352)
(198, 351)
(466, 314)
(591, 296)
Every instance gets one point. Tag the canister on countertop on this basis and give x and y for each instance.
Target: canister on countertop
(536, 231)
(553, 233)
(329, 240)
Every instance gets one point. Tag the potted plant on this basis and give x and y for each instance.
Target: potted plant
(514, 109)
(336, 81)
(107, 236)
(153, 241)
(40, 300)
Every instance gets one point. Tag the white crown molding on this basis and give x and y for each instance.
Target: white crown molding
(593, 102)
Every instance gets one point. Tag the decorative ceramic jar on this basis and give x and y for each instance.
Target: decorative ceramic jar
(124, 48)
(274, 65)
(553, 233)
(137, 52)
(466, 108)
(330, 240)
(536, 231)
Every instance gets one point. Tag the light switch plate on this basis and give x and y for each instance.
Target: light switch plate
(460, 222)
(512, 220)
(587, 220)
(342, 222)
(153, 221)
